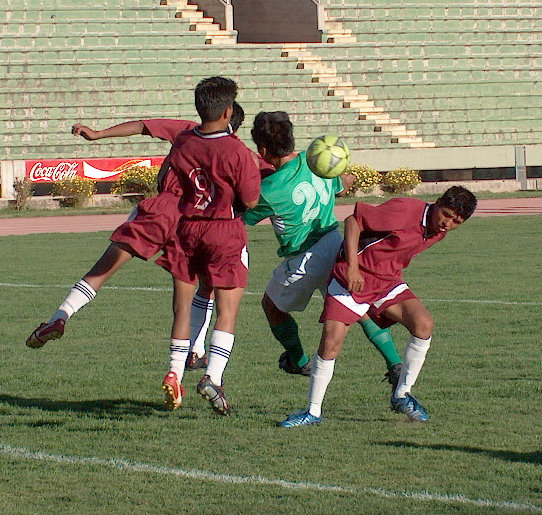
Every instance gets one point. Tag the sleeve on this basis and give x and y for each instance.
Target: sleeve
(393, 215)
(167, 129)
(260, 212)
(337, 185)
(248, 185)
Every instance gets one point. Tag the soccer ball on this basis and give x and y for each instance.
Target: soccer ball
(328, 156)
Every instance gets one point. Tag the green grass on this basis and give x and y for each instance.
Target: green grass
(96, 393)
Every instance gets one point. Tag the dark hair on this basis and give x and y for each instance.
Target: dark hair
(237, 117)
(213, 96)
(275, 132)
(460, 199)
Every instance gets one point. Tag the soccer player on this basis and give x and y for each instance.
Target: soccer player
(300, 206)
(219, 175)
(149, 228)
(379, 243)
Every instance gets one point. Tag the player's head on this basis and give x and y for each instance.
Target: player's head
(237, 117)
(451, 209)
(273, 132)
(213, 96)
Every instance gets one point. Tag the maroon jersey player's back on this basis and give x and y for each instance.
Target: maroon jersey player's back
(167, 129)
(215, 170)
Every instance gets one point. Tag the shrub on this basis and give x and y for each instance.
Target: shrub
(23, 193)
(75, 190)
(366, 178)
(138, 179)
(400, 181)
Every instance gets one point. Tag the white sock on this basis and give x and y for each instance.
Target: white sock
(80, 295)
(219, 354)
(322, 372)
(413, 359)
(178, 352)
(200, 318)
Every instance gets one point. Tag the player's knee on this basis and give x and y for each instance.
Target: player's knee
(423, 326)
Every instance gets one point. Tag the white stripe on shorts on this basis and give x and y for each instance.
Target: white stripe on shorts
(391, 295)
(343, 296)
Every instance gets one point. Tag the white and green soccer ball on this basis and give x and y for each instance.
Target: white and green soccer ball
(328, 156)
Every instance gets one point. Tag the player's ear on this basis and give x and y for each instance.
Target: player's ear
(227, 113)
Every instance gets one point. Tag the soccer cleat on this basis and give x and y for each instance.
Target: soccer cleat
(173, 391)
(410, 407)
(303, 418)
(214, 394)
(193, 362)
(392, 376)
(286, 364)
(45, 332)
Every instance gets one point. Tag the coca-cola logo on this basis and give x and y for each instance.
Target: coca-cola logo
(58, 172)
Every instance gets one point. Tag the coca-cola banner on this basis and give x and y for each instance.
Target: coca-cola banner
(51, 170)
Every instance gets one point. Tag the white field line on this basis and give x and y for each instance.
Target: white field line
(130, 466)
(154, 289)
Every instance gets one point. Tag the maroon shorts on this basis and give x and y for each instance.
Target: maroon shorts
(212, 249)
(340, 306)
(152, 223)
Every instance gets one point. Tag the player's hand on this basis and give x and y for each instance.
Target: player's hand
(86, 132)
(354, 279)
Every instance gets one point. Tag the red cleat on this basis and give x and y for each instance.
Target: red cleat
(173, 391)
(45, 332)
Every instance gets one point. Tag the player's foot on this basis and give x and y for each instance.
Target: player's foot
(290, 368)
(410, 407)
(45, 332)
(193, 362)
(173, 391)
(392, 376)
(214, 394)
(303, 418)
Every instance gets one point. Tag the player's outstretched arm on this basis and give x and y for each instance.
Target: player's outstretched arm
(116, 131)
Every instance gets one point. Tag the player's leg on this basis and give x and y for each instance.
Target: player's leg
(222, 339)
(116, 255)
(290, 288)
(183, 293)
(200, 319)
(285, 330)
(333, 335)
(382, 339)
(417, 319)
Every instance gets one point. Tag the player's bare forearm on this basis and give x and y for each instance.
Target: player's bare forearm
(351, 245)
(121, 130)
(348, 181)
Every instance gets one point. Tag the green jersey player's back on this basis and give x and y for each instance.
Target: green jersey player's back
(299, 204)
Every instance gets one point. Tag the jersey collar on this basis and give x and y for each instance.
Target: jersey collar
(213, 135)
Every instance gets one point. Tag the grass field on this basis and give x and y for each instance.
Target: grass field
(83, 429)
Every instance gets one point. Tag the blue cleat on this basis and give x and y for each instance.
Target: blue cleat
(303, 418)
(410, 407)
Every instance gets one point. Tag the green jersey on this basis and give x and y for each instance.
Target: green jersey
(299, 204)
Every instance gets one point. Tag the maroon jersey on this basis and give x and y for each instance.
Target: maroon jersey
(167, 129)
(215, 171)
(391, 235)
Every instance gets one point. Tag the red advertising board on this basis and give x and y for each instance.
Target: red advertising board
(109, 169)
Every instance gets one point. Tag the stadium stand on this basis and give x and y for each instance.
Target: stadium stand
(400, 80)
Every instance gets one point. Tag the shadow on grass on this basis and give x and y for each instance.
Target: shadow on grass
(101, 408)
(518, 457)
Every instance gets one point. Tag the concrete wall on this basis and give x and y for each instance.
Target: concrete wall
(277, 21)
(447, 158)
(220, 10)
